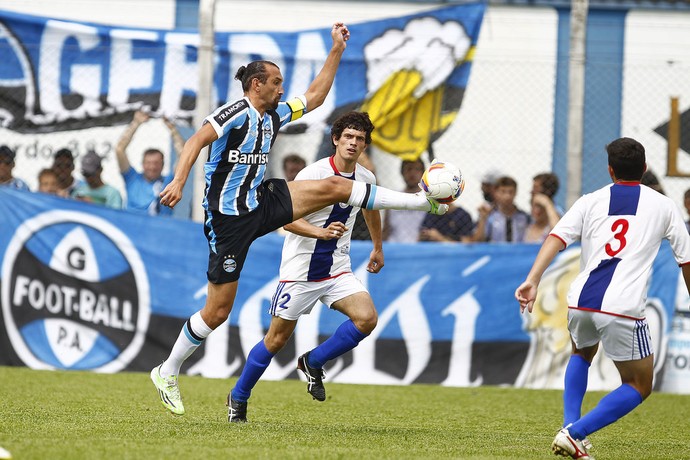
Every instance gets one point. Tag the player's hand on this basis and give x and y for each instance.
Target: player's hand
(340, 34)
(525, 294)
(375, 261)
(334, 231)
(171, 194)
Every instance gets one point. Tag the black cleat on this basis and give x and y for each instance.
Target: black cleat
(314, 378)
(237, 411)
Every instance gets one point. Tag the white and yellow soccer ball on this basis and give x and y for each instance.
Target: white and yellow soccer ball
(442, 182)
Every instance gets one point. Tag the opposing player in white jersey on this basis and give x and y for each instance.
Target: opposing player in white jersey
(316, 266)
(621, 227)
(240, 206)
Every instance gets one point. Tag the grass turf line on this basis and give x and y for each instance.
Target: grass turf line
(82, 415)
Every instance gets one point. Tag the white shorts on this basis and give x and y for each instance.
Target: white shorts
(623, 339)
(293, 299)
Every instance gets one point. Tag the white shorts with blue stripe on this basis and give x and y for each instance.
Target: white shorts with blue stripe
(623, 338)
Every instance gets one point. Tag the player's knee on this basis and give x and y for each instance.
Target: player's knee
(216, 315)
(275, 342)
(337, 188)
(366, 322)
(645, 389)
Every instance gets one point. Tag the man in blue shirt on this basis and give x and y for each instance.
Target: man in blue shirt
(144, 187)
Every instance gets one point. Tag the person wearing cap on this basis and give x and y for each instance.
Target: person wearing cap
(94, 190)
(63, 165)
(6, 167)
(489, 185)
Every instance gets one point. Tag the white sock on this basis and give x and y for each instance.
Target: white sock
(191, 336)
(369, 196)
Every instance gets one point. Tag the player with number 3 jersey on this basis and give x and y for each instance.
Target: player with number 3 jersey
(621, 227)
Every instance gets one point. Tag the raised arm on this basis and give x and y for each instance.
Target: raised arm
(319, 88)
(126, 137)
(172, 193)
(178, 141)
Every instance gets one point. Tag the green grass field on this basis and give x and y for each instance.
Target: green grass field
(80, 415)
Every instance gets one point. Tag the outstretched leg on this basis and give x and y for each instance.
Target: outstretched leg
(311, 195)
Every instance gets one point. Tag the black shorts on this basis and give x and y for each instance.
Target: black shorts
(229, 237)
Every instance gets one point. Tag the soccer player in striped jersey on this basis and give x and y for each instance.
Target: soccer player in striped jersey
(621, 227)
(241, 206)
(316, 266)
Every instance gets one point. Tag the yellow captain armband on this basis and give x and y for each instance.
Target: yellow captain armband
(298, 106)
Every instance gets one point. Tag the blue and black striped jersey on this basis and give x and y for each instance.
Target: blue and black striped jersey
(237, 159)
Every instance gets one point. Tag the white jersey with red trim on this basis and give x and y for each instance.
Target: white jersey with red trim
(311, 259)
(621, 227)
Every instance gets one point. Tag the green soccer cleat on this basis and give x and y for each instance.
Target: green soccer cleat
(437, 208)
(168, 391)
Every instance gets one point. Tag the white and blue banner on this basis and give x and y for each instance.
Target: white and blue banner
(409, 73)
(90, 288)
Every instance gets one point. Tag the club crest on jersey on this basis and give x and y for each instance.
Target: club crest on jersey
(68, 306)
(235, 156)
(229, 265)
(268, 132)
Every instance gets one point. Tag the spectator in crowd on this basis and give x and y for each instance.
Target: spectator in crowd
(686, 203)
(455, 226)
(94, 190)
(63, 165)
(144, 187)
(292, 164)
(547, 184)
(505, 223)
(48, 182)
(6, 167)
(489, 184)
(402, 226)
(650, 180)
(544, 218)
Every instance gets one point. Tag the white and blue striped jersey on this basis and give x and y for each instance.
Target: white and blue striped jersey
(311, 259)
(621, 227)
(237, 159)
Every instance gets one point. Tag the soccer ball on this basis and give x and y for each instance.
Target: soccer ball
(442, 182)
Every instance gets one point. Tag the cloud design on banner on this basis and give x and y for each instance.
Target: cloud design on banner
(425, 45)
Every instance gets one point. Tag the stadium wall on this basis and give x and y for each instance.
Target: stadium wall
(88, 288)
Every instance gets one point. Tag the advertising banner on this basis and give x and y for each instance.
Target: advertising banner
(409, 72)
(90, 288)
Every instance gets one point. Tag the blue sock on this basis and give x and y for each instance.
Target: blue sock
(575, 387)
(258, 360)
(345, 338)
(612, 407)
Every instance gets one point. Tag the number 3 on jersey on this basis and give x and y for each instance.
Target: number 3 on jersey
(619, 229)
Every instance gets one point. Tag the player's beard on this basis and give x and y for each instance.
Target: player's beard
(275, 102)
